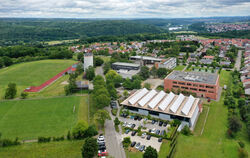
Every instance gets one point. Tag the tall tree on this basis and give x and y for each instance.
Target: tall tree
(11, 91)
(144, 72)
(150, 152)
(90, 73)
(101, 116)
(90, 148)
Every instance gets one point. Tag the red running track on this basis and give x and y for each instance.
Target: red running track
(45, 84)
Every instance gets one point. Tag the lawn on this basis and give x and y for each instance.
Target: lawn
(29, 119)
(136, 154)
(31, 73)
(213, 142)
(64, 149)
(179, 67)
(164, 150)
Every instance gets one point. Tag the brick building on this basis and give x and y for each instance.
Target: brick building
(203, 84)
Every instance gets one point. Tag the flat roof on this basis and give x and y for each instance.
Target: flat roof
(126, 64)
(198, 77)
(185, 107)
(146, 58)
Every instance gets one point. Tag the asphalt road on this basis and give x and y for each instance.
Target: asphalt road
(113, 141)
(238, 61)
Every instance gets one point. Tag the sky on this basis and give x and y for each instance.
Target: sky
(123, 8)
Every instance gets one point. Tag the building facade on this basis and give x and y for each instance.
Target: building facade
(88, 60)
(203, 84)
(169, 63)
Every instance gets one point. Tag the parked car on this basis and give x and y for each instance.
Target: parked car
(142, 148)
(139, 118)
(101, 143)
(153, 121)
(149, 130)
(160, 139)
(133, 133)
(157, 132)
(160, 123)
(133, 126)
(148, 137)
(133, 144)
(127, 131)
(162, 132)
(113, 105)
(129, 125)
(124, 115)
(101, 138)
(143, 135)
(153, 130)
(124, 124)
(132, 117)
(137, 145)
(101, 147)
(136, 118)
(164, 124)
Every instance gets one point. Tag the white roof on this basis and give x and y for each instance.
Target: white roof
(138, 96)
(156, 99)
(164, 104)
(177, 103)
(185, 110)
(146, 98)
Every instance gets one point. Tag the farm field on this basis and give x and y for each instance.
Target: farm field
(29, 119)
(31, 73)
(213, 142)
(64, 149)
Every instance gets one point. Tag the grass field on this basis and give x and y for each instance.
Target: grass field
(31, 73)
(179, 67)
(29, 119)
(64, 149)
(213, 142)
(61, 41)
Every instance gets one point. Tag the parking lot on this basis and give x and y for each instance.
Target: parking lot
(152, 142)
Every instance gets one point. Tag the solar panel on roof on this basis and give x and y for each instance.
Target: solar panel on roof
(138, 96)
(177, 103)
(146, 98)
(156, 99)
(164, 104)
(185, 110)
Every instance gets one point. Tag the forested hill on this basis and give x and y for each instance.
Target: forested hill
(16, 31)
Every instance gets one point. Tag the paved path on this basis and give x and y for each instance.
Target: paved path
(238, 61)
(99, 71)
(113, 139)
(184, 68)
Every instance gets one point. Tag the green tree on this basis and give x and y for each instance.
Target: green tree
(1, 62)
(101, 116)
(125, 93)
(90, 73)
(150, 152)
(98, 61)
(116, 121)
(126, 141)
(147, 85)
(186, 131)
(24, 95)
(79, 130)
(234, 124)
(90, 148)
(11, 91)
(80, 56)
(162, 72)
(98, 80)
(112, 90)
(241, 102)
(91, 131)
(79, 68)
(153, 71)
(144, 72)
(113, 77)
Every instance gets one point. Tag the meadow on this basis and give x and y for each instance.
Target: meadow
(28, 119)
(31, 73)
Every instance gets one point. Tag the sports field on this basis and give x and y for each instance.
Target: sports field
(29, 119)
(31, 73)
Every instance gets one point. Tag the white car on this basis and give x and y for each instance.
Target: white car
(143, 135)
(124, 124)
(153, 130)
(100, 139)
(129, 125)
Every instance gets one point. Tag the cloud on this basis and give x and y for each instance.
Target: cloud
(123, 8)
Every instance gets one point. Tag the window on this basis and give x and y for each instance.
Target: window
(210, 92)
(182, 83)
(174, 82)
(176, 86)
(184, 87)
(202, 90)
(201, 86)
(195, 85)
(194, 89)
(189, 84)
(210, 87)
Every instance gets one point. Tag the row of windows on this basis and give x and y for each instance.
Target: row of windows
(194, 85)
(194, 89)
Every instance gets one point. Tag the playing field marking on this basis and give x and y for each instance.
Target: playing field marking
(205, 121)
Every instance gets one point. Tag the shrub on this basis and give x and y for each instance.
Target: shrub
(114, 112)
(58, 138)
(44, 139)
(69, 135)
(8, 142)
(186, 131)
(126, 142)
(79, 130)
